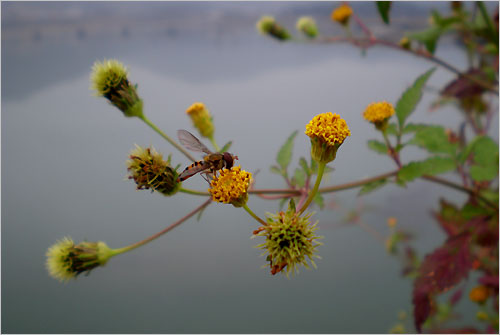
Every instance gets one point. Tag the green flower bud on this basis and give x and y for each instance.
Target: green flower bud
(307, 26)
(267, 25)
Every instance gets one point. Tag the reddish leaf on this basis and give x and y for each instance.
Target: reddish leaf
(463, 88)
(449, 218)
(439, 272)
(455, 298)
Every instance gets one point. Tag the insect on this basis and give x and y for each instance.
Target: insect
(210, 163)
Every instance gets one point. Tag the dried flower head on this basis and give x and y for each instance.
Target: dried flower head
(290, 241)
(379, 113)
(231, 186)
(149, 171)
(202, 120)
(65, 260)
(267, 25)
(327, 132)
(342, 14)
(109, 79)
(479, 294)
(307, 26)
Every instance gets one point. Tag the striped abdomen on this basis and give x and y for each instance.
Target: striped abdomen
(193, 169)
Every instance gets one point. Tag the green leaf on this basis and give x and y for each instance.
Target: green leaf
(431, 166)
(282, 203)
(377, 146)
(319, 200)
(435, 140)
(392, 129)
(299, 177)
(410, 98)
(483, 173)
(428, 37)
(291, 206)
(414, 127)
(226, 146)
(384, 8)
(367, 188)
(470, 211)
(485, 151)
(305, 166)
(285, 154)
(275, 169)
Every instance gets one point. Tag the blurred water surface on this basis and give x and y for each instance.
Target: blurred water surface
(63, 171)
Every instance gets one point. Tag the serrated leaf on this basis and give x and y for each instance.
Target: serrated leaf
(275, 169)
(377, 146)
(431, 166)
(410, 98)
(226, 146)
(384, 8)
(483, 173)
(285, 154)
(299, 177)
(428, 37)
(435, 140)
(370, 187)
(485, 151)
(319, 200)
(305, 166)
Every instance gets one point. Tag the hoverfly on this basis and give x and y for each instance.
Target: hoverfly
(211, 162)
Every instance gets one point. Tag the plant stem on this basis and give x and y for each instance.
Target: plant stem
(165, 136)
(252, 214)
(321, 170)
(212, 140)
(160, 233)
(392, 152)
(193, 192)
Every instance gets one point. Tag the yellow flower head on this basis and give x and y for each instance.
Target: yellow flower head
(290, 240)
(479, 294)
(405, 43)
(378, 113)
(307, 26)
(231, 186)
(149, 171)
(202, 120)
(267, 25)
(109, 79)
(342, 14)
(327, 132)
(65, 260)
(392, 221)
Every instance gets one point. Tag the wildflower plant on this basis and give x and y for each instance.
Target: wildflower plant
(289, 238)
(469, 152)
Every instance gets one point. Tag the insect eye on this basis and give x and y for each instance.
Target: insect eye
(228, 159)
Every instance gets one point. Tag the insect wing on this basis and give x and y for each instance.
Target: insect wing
(193, 169)
(189, 141)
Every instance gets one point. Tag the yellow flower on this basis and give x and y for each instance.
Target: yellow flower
(290, 241)
(109, 79)
(391, 221)
(479, 294)
(342, 14)
(327, 132)
(231, 186)
(379, 113)
(65, 260)
(405, 43)
(148, 169)
(202, 120)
